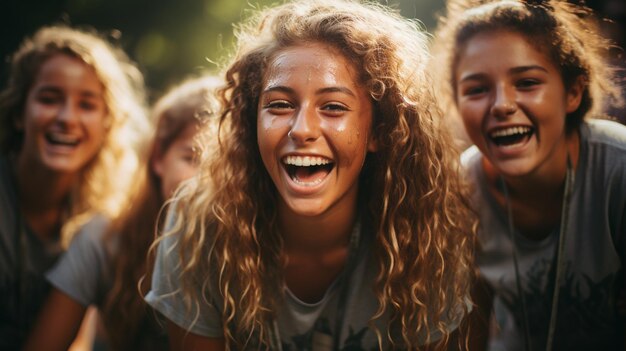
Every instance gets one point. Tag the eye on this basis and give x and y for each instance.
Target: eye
(473, 91)
(48, 99)
(189, 158)
(334, 108)
(527, 83)
(88, 105)
(278, 105)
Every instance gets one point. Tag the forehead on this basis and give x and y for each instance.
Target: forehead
(62, 69)
(310, 62)
(502, 49)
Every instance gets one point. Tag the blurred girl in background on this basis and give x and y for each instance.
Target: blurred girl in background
(104, 268)
(71, 119)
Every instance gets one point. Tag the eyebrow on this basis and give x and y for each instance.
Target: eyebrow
(334, 89)
(514, 70)
(522, 69)
(57, 90)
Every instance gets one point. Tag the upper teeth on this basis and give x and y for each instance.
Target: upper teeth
(64, 139)
(306, 160)
(510, 131)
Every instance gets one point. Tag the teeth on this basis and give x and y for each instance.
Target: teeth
(62, 139)
(510, 131)
(306, 161)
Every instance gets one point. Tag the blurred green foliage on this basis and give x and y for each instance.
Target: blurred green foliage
(174, 39)
(170, 39)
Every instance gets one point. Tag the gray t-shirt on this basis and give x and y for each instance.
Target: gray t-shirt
(300, 325)
(594, 253)
(85, 273)
(23, 260)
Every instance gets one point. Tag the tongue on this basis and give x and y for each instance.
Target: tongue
(511, 140)
(310, 174)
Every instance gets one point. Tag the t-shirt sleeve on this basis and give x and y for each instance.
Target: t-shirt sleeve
(166, 296)
(80, 273)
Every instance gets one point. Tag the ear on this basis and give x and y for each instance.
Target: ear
(156, 161)
(372, 143)
(575, 94)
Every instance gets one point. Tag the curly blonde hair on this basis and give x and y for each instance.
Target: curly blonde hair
(565, 32)
(227, 219)
(102, 188)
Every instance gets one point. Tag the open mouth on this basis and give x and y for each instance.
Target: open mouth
(62, 140)
(308, 170)
(511, 136)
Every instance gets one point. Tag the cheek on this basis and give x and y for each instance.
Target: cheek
(471, 114)
(189, 171)
(270, 131)
(97, 128)
(350, 139)
(268, 123)
(35, 114)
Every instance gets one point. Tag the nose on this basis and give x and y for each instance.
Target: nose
(504, 103)
(68, 113)
(305, 125)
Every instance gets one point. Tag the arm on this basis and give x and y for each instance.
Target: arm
(87, 332)
(57, 323)
(181, 339)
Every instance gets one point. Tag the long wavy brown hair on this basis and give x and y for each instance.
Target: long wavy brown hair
(192, 102)
(226, 219)
(100, 189)
(565, 32)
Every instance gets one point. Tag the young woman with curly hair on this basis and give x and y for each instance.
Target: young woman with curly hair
(330, 213)
(71, 117)
(104, 268)
(550, 184)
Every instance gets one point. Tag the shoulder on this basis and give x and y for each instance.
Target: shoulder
(603, 149)
(92, 233)
(7, 188)
(470, 157)
(8, 203)
(472, 166)
(83, 271)
(607, 133)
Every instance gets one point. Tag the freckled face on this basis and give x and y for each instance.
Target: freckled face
(314, 129)
(513, 102)
(63, 120)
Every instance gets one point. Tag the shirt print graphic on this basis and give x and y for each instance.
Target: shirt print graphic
(321, 338)
(582, 311)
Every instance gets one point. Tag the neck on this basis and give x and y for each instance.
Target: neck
(42, 195)
(544, 182)
(536, 198)
(320, 233)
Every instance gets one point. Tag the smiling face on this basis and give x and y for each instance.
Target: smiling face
(63, 119)
(178, 162)
(314, 128)
(513, 102)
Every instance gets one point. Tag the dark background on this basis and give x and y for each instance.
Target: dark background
(171, 40)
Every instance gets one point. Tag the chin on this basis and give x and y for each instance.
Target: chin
(305, 208)
(514, 170)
